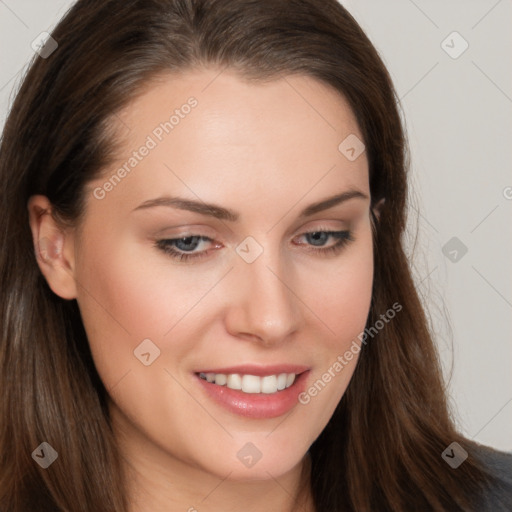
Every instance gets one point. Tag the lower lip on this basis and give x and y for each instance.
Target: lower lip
(256, 405)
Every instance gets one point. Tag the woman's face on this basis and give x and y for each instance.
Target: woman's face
(231, 241)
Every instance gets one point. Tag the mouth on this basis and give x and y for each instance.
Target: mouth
(247, 383)
(252, 391)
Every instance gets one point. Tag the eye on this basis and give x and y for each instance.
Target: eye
(319, 241)
(192, 247)
(184, 248)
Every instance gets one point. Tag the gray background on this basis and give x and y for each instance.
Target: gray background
(457, 113)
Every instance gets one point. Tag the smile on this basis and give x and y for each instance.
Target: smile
(254, 391)
(251, 383)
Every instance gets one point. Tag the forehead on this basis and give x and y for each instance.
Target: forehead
(213, 135)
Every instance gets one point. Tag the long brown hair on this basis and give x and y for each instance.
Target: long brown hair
(382, 448)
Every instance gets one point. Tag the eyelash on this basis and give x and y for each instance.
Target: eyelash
(165, 245)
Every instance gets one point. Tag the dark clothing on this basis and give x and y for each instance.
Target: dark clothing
(498, 496)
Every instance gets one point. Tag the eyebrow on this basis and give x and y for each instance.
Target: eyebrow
(222, 213)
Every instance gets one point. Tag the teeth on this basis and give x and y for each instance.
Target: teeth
(234, 381)
(281, 381)
(269, 384)
(251, 383)
(221, 379)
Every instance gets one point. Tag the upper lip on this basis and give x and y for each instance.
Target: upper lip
(258, 370)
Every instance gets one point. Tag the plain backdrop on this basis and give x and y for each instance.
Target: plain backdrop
(450, 62)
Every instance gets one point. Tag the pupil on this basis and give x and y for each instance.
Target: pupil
(188, 243)
(318, 237)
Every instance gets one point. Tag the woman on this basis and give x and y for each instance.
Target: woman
(206, 304)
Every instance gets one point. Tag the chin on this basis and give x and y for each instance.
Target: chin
(249, 463)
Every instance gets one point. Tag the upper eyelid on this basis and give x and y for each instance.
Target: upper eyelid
(206, 232)
(209, 239)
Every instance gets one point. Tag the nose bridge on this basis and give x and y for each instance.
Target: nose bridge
(264, 306)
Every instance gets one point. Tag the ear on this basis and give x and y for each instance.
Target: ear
(377, 209)
(54, 247)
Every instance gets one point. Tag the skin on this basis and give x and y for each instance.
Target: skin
(266, 151)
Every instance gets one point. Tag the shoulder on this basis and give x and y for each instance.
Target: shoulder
(497, 496)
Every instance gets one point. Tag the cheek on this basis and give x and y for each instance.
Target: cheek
(132, 287)
(132, 293)
(341, 302)
(340, 294)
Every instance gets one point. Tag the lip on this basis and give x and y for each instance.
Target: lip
(259, 370)
(256, 405)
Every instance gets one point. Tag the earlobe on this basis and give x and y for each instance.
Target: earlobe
(53, 245)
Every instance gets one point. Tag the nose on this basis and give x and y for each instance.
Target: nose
(263, 306)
